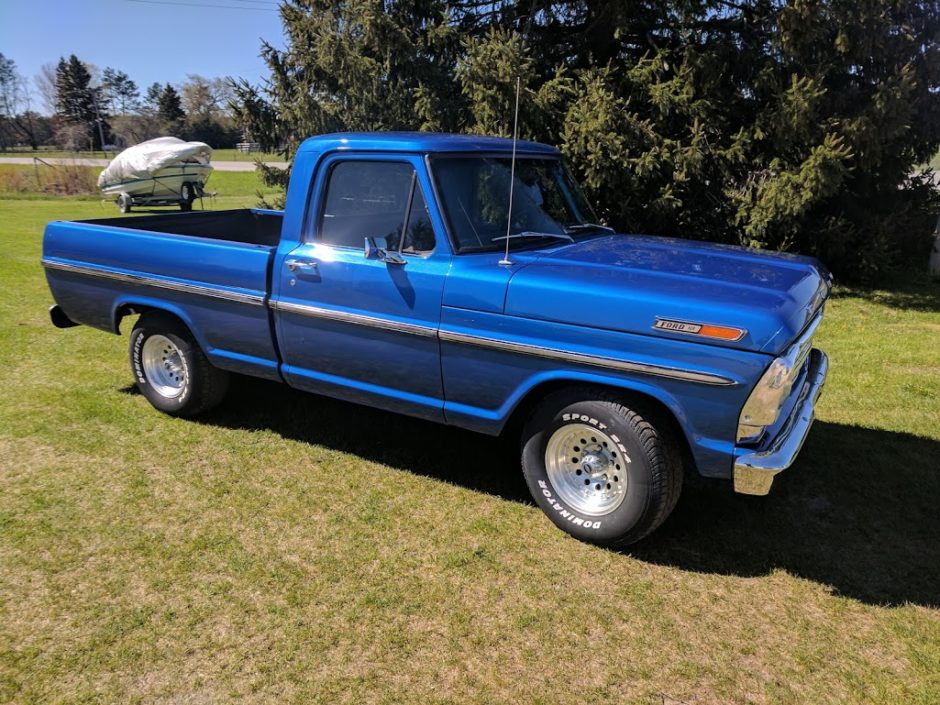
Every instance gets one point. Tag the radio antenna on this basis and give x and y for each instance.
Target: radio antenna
(505, 261)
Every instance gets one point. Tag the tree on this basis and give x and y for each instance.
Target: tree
(45, 82)
(205, 98)
(78, 103)
(789, 125)
(356, 66)
(120, 92)
(170, 109)
(151, 102)
(15, 104)
(206, 103)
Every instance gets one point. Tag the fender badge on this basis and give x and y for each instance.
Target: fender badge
(704, 330)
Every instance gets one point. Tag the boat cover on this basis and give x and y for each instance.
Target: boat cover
(147, 158)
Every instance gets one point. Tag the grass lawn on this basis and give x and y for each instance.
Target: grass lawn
(291, 549)
(233, 189)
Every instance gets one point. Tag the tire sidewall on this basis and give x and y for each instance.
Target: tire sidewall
(171, 405)
(596, 529)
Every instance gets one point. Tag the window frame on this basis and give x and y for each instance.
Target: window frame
(312, 231)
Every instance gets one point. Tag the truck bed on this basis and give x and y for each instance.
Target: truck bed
(248, 225)
(211, 269)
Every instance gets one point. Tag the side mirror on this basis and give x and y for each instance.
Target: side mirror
(377, 248)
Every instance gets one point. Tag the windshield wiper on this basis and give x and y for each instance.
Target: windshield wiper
(531, 234)
(588, 226)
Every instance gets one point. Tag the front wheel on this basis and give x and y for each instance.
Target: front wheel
(603, 471)
(170, 368)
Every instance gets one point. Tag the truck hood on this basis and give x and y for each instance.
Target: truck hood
(627, 282)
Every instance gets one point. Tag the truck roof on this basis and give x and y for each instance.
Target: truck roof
(420, 142)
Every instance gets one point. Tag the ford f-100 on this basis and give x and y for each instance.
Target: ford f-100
(403, 275)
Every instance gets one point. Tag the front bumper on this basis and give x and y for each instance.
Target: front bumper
(754, 473)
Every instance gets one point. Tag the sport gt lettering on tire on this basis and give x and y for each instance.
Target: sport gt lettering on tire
(602, 468)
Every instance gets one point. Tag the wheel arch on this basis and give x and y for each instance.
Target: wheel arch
(132, 306)
(662, 405)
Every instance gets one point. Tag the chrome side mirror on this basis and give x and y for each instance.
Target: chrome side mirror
(377, 248)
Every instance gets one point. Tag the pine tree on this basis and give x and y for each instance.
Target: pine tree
(151, 101)
(119, 92)
(170, 109)
(78, 102)
(766, 123)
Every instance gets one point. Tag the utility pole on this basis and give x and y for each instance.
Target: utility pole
(94, 99)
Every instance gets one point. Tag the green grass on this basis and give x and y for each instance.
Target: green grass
(291, 549)
(233, 189)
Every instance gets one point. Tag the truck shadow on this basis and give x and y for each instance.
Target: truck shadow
(857, 513)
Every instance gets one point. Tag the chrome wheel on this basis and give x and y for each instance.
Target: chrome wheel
(587, 469)
(163, 366)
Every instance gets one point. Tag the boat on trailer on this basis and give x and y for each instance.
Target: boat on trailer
(165, 171)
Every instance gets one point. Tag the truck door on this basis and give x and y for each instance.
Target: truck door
(358, 327)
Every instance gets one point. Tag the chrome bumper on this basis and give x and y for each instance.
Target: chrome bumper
(754, 473)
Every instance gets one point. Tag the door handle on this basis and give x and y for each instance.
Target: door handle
(301, 265)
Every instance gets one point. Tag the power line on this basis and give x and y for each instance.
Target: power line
(198, 4)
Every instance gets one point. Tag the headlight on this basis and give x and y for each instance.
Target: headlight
(763, 406)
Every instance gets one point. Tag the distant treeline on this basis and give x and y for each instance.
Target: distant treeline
(84, 108)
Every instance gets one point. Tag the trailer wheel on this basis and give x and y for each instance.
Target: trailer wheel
(187, 196)
(124, 203)
(604, 472)
(170, 368)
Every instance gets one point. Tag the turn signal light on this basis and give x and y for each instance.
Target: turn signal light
(721, 332)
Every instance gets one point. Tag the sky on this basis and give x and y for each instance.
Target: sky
(150, 40)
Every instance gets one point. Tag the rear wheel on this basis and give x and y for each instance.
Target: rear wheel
(170, 368)
(602, 470)
(124, 203)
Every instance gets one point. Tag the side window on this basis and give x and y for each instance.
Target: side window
(370, 199)
(419, 235)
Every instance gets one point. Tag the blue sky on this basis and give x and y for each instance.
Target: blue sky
(152, 40)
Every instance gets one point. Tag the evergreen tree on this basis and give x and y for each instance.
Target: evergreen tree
(78, 103)
(789, 125)
(119, 92)
(170, 109)
(151, 101)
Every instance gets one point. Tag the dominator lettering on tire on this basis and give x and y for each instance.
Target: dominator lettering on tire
(604, 469)
(171, 370)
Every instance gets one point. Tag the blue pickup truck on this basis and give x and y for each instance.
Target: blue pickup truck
(403, 275)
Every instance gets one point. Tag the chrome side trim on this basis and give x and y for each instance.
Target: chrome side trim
(143, 280)
(585, 359)
(354, 318)
(495, 344)
(754, 473)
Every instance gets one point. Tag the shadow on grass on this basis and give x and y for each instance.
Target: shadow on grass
(909, 291)
(858, 512)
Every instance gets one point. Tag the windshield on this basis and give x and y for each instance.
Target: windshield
(475, 196)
